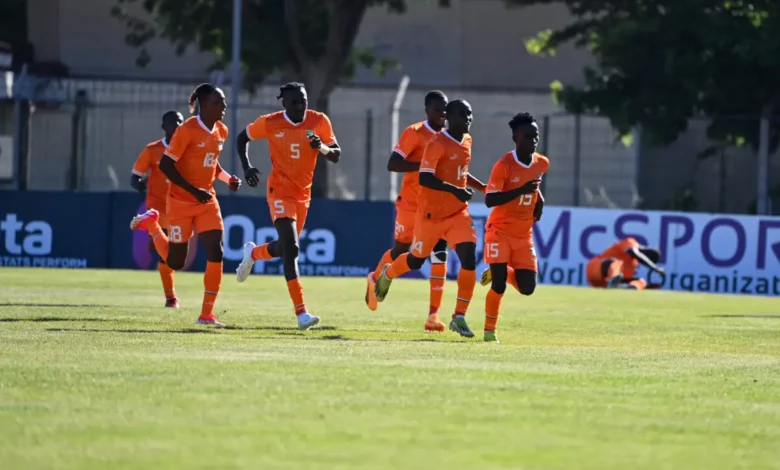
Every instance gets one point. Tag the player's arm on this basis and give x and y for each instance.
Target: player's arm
(254, 131)
(500, 198)
(324, 140)
(233, 182)
(138, 177)
(172, 154)
(428, 179)
(539, 207)
(398, 162)
(476, 184)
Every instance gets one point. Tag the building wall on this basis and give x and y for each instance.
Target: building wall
(124, 116)
(475, 43)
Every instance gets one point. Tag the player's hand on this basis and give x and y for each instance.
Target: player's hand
(252, 176)
(464, 194)
(314, 141)
(202, 195)
(234, 183)
(530, 187)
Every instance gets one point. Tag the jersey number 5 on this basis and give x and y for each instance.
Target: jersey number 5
(209, 161)
(526, 200)
(295, 151)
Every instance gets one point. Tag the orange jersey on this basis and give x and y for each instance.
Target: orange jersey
(149, 161)
(448, 160)
(411, 146)
(195, 149)
(516, 217)
(292, 158)
(618, 250)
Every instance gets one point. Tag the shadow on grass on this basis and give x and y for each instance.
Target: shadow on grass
(307, 337)
(52, 319)
(274, 328)
(737, 315)
(186, 331)
(36, 305)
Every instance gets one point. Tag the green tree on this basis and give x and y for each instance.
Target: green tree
(658, 63)
(306, 40)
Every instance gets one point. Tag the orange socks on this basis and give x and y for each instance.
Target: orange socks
(295, 289)
(261, 253)
(399, 267)
(211, 281)
(386, 259)
(492, 307)
(466, 282)
(437, 279)
(166, 274)
(160, 240)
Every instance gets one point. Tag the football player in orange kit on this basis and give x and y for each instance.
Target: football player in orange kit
(156, 188)
(405, 159)
(616, 266)
(296, 137)
(513, 192)
(191, 165)
(443, 214)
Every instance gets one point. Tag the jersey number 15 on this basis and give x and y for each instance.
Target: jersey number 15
(526, 200)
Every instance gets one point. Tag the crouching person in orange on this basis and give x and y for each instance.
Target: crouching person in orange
(616, 266)
(191, 165)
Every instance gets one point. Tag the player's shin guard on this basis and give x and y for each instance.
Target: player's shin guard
(399, 267)
(166, 275)
(212, 279)
(467, 280)
(437, 280)
(160, 240)
(387, 258)
(295, 289)
(262, 253)
(492, 309)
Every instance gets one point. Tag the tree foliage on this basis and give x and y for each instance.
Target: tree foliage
(659, 63)
(307, 40)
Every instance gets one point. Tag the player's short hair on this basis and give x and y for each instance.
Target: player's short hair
(521, 119)
(453, 105)
(289, 86)
(435, 95)
(201, 92)
(170, 114)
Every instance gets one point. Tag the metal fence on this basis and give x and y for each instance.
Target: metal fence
(85, 135)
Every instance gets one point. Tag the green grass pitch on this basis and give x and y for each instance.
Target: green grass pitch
(95, 374)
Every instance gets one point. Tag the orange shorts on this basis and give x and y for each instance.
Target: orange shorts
(159, 205)
(404, 225)
(455, 230)
(593, 271)
(517, 252)
(186, 217)
(288, 208)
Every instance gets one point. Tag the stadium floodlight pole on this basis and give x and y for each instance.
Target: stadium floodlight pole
(395, 130)
(763, 163)
(235, 88)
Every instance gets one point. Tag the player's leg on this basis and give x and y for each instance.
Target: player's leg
(426, 234)
(438, 275)
(402, 241)
(288, 232)
(526, 281)
(467, 280)
(611, 271)
(493, 300)
(212, 278)
(167, 278)
(388, 257)
(280, 208)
